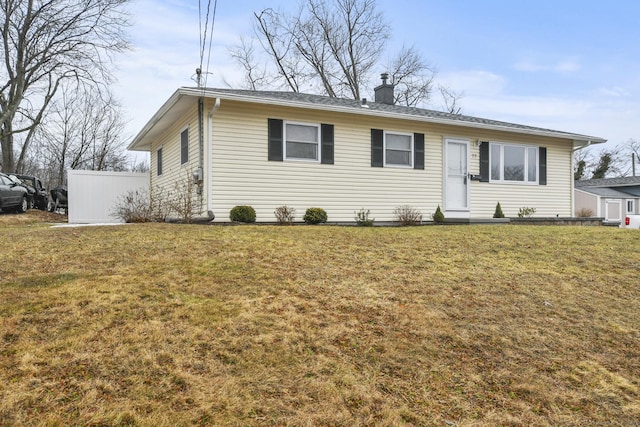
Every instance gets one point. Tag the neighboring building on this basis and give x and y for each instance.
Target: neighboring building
(269, 149)
(608, 198)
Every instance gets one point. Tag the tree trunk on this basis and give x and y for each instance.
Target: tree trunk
(6, 140)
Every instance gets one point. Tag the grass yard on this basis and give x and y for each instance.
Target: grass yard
(171, 325)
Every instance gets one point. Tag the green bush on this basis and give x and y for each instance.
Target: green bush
(498, 213)
(438, 216)
(315, 216)
(242, 214)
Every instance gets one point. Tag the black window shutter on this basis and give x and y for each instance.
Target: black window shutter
(484, 162)
(377, 150)
(418, 150)
(327, 144)
(542, 168)
(184, 146)
(275, 139)
(159, 161)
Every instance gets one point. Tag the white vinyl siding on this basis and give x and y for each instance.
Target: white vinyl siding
(238, 172)
(173, 171)
(242, 173)
(550, 200)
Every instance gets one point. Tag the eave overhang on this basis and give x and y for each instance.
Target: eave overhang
(183, 98)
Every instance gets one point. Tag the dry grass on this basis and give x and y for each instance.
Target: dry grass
(34, 217)
(157, 324)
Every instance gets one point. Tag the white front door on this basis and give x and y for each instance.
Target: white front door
(456, 175)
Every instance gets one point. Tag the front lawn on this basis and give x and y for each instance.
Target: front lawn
(167, 325)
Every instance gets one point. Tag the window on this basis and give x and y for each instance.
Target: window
(513, 163)
(302, 141)
(159, 161)
(398, 149)
(184, 146)
(630, 206)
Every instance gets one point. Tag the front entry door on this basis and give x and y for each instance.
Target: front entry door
(457, 175)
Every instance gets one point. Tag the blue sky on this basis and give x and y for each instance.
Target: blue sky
(564, 64)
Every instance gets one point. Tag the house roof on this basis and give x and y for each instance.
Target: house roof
(184, 97)
(604, 192)
(611, 187)
(609, 182)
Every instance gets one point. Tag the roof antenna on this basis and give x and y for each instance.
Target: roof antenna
(199, 77)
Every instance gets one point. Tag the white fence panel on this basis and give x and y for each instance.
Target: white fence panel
(93, 195)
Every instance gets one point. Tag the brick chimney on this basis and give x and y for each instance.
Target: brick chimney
(384, 92)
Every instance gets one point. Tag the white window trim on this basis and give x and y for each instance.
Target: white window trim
(384, 150)
(188, 145)
(633, 206)
(157, 158)
(526, 163)
(284, 142)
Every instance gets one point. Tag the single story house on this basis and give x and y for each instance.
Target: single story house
(611, 198)
(268, 149)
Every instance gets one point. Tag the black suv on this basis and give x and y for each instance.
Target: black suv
(13, 195)
(39, 196)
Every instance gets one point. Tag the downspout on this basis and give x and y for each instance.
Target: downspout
(209, 180)
(200, 145)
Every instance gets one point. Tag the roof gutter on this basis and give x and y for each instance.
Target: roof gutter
(586, 144)
(173, 99)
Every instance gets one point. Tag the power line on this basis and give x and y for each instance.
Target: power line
(203, 40)
(213, 21)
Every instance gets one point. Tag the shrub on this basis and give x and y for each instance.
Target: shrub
(438, 216)
(315, 216)
(526, 212)
(362, 218)
(584, 213)
(242, 214)
(140, 206)
(285, 214)
(406, 215)
(133, 206)
(498, 213)
(182, 201)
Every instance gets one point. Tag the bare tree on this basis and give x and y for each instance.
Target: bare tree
(332, 47)
(245, 56)
(411, 77)
(278, 43)
(582, 164)
(451, 99)
(632, 155)
(84, 130)
(44, 44)
(330, 44)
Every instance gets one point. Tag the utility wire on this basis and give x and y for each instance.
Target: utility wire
(213, 21)
(203, 40)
